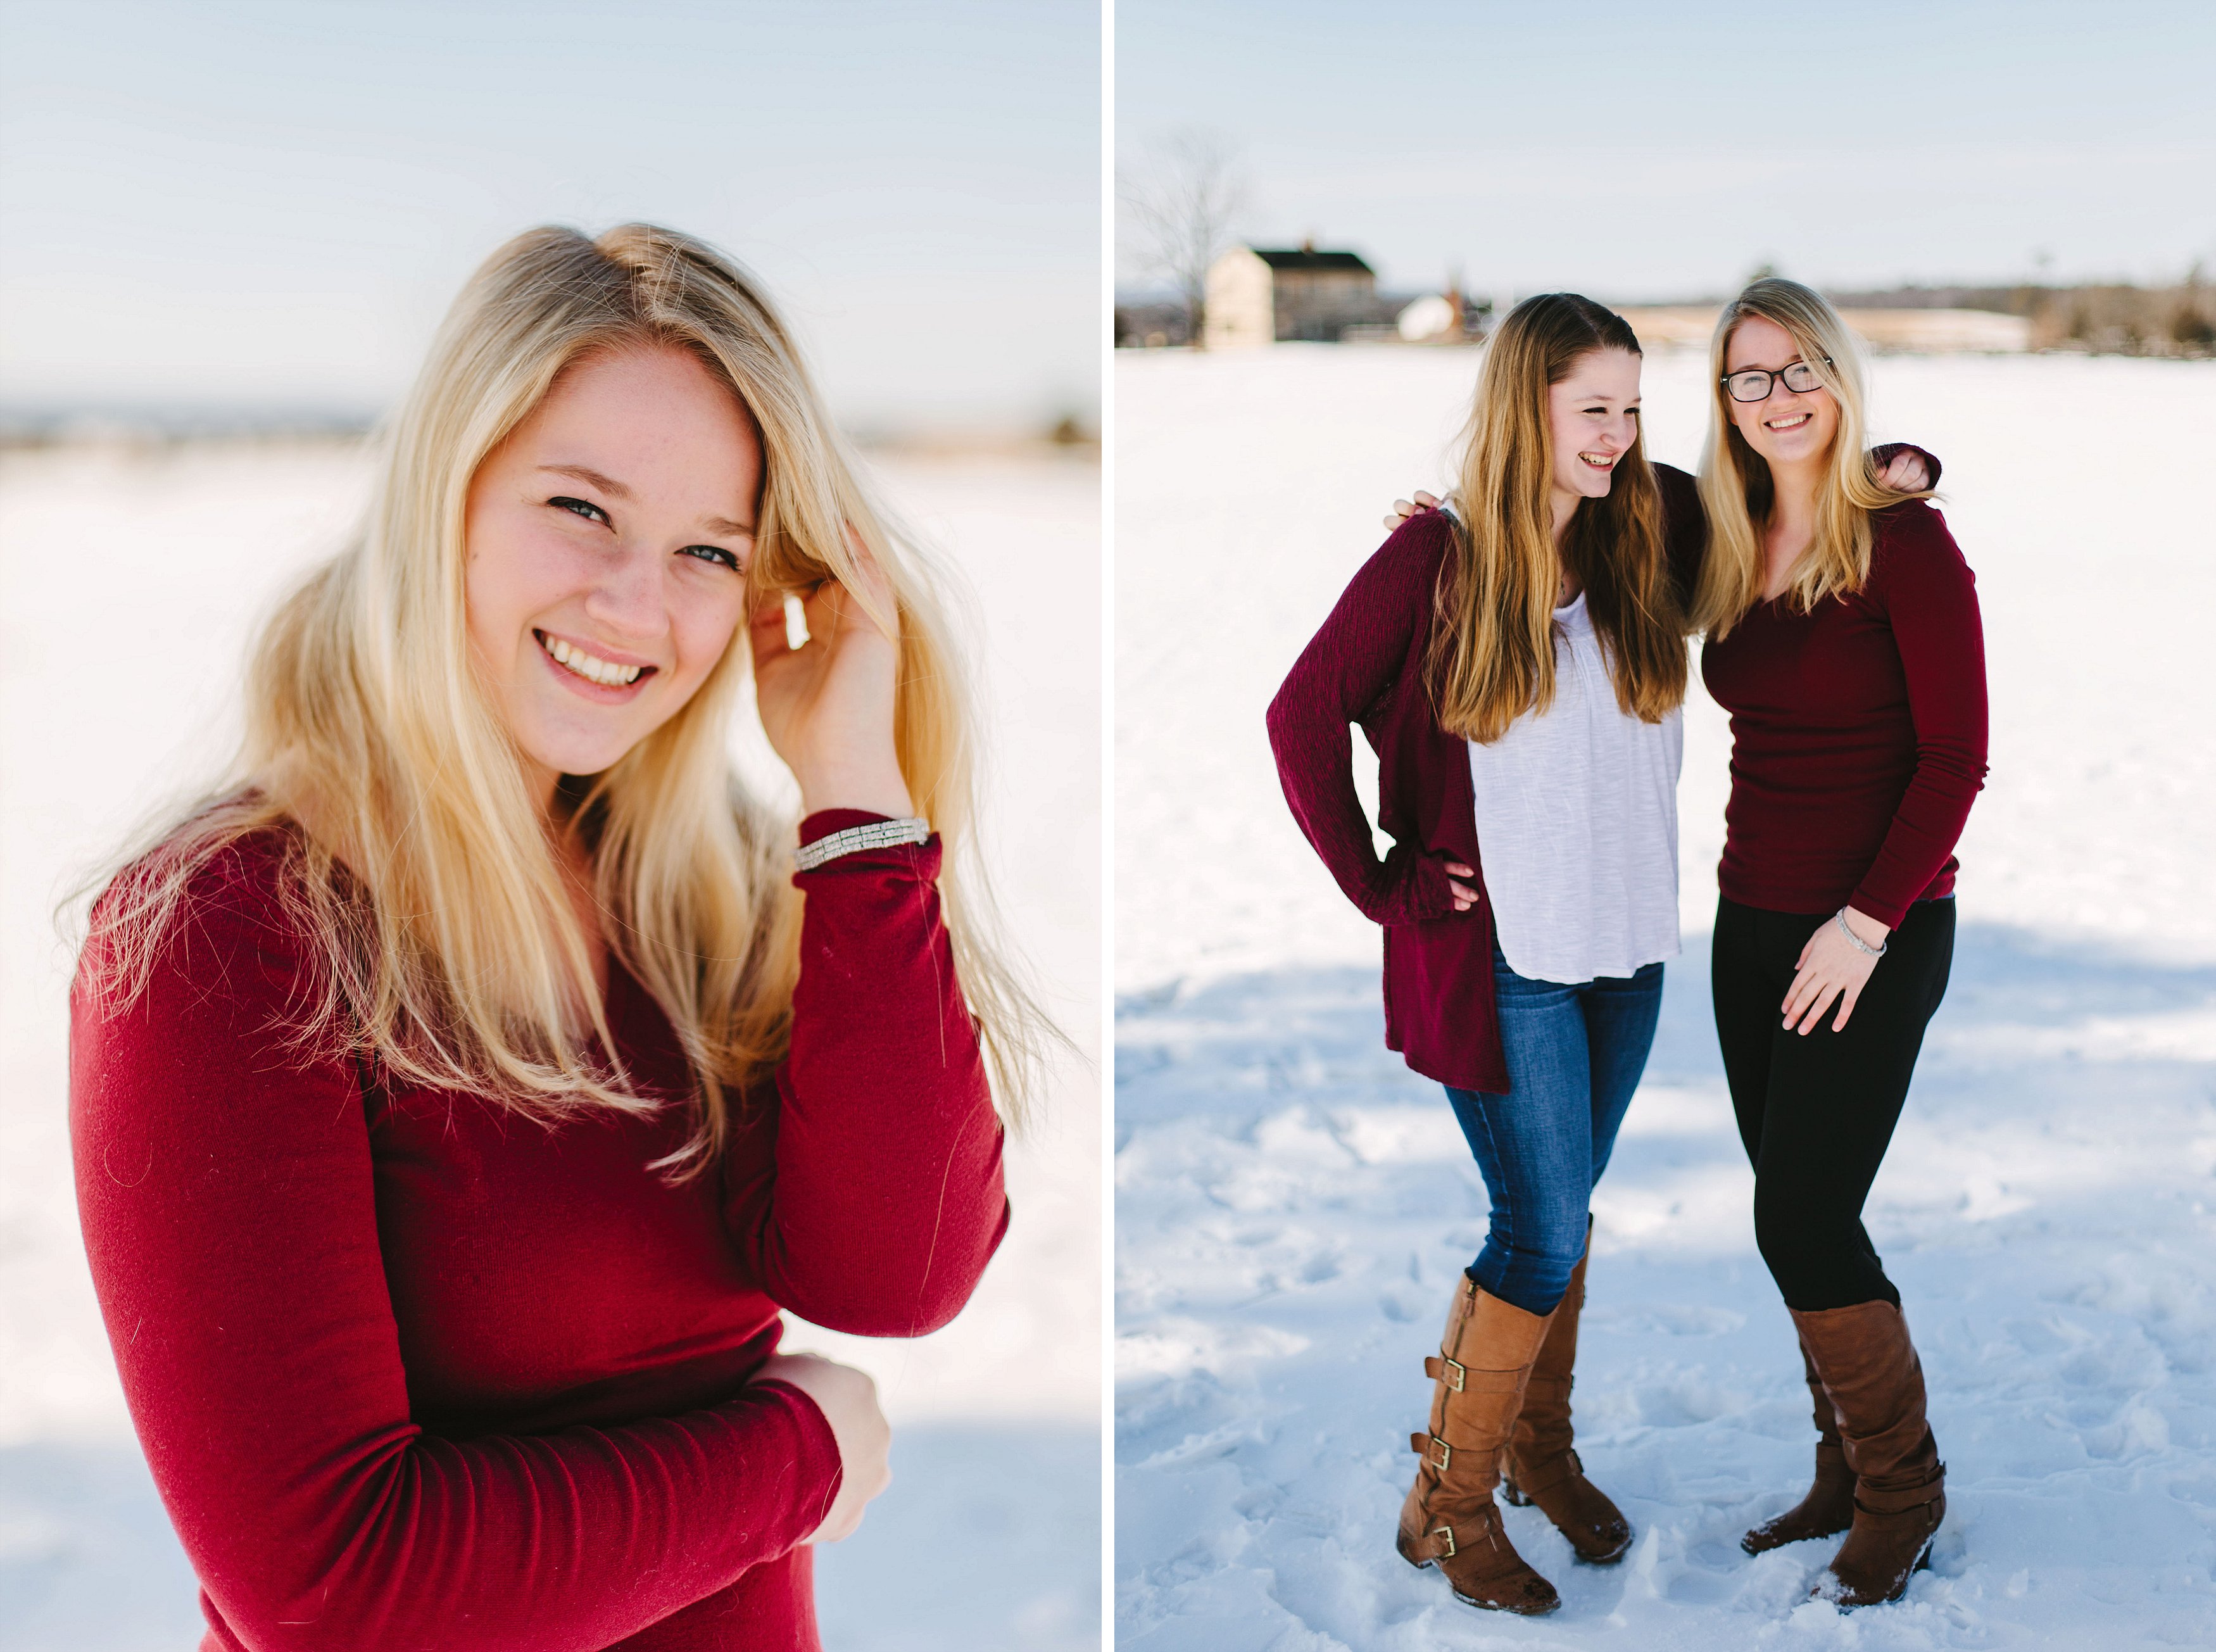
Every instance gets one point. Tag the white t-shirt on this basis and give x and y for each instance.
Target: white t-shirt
(1577, 821)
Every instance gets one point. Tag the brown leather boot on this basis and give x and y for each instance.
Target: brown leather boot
(1870, 1370)
(1830, 1505)
(1541, 1467)
(1450, 1519)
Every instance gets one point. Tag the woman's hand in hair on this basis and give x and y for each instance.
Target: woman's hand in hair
(1906, 473)
(848, 1400)
(1402, 510)
(1831, 966)
(828, 704)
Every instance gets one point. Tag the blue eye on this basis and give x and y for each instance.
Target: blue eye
(584, 508)
(714, 553)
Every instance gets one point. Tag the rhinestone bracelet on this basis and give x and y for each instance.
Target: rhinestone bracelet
(1839, 917)
(871, 835)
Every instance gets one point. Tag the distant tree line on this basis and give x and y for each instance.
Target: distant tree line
(2105, 319)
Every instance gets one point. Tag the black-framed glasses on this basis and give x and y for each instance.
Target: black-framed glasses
(1755, 384)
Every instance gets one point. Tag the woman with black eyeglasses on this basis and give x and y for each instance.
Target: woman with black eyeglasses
(1843, 639)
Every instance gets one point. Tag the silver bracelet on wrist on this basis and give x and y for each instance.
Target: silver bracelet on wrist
(1839, 917)
(871, 835)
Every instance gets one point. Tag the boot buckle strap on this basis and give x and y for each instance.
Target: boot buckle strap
(1438, 1453)
(1452, 1373)
(1445, 1534)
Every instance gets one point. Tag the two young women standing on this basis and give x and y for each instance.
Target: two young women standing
(1519, 670)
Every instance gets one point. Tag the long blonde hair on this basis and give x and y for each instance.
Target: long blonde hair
(1491, 652)
(416, 860)
(1736, 486)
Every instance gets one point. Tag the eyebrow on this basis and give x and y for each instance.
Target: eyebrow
(616, 489)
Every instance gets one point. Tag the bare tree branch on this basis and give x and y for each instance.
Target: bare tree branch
(1179, 211)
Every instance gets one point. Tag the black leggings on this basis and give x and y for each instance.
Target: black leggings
(1817, 1112)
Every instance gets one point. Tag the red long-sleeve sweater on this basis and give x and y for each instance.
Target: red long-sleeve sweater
(1858, 732)
(412, 1372)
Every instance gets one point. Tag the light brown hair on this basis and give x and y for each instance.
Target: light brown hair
(1492, 655)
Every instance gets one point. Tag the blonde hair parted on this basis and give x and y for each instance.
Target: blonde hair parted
(1739, 491)
(1492, 653)
(417, 861)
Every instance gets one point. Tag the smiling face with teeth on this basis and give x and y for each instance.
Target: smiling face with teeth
(1789, 429)
(1592, 417)
(608, 539)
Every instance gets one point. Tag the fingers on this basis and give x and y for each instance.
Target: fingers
(1904, 473)
(1806, 985)
(1464, 896)
(1402, 510)
(1815, 999)
(834, 605)
(1846, 1007)
(871, 579)
(1460, 870)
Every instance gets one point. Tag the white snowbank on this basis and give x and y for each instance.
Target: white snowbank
(128, 584)
(1292, 1203)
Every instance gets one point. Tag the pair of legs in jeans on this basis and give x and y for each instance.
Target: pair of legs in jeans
(1574, 1054)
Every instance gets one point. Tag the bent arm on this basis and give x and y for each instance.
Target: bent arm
(1932, 601)
(869, 1200)
(1345, 671)
(225, 1187)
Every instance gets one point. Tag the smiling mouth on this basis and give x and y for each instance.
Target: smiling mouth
(1601, 461)
(592, 668)
(1792, 423)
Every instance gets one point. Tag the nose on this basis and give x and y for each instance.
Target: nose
(628, 597)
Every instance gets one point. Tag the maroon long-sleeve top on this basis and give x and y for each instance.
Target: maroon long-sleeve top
(1858, 732)
(412, 1372)
(1366, 666)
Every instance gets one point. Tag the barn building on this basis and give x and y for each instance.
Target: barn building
(1260, 295)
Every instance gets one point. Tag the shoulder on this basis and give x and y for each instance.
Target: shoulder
(218, 914)
(1404, 571)
(1910, 543)
(1421, 541)
(1680, 490)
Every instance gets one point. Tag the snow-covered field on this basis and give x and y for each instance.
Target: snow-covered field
(128, 583)
(1292, 1203)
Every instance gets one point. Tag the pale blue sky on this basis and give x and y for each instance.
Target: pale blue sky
(271, 202)
(1654, 150)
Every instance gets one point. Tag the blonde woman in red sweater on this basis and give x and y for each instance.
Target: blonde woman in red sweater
(1844, 637)
(459, 1095)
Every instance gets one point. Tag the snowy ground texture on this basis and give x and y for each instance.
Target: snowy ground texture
(1292, 1204)
(128, 583)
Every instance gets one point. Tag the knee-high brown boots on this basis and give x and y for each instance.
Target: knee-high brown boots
(1870, 1373)
(1830, 1505)
(1543, 1465)
(1450, 1519)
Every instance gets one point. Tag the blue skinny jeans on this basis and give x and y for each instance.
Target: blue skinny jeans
(1575, 1053)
